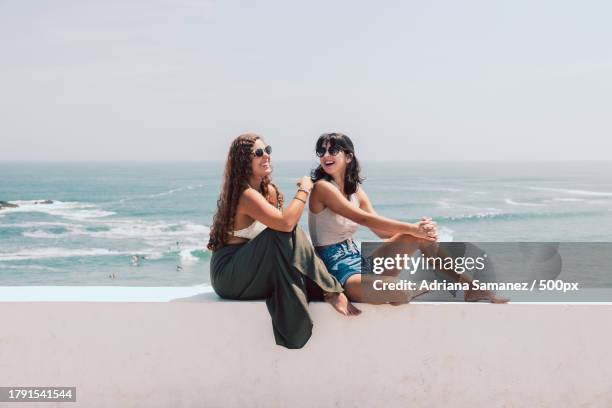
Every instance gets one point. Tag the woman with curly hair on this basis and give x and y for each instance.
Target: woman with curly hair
(258, 250)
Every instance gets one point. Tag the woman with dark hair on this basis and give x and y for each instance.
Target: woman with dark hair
(338, 205)
(258, 250)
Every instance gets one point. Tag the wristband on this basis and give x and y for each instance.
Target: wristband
(298, 198)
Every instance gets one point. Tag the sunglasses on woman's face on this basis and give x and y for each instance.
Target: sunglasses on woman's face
(260, 152)
(333, 151)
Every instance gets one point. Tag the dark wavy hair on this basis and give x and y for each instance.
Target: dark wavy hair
(352, 176)
(235, 181)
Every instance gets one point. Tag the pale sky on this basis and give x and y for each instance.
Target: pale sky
(407, 80)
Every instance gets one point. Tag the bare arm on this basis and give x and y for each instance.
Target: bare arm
(253, 204)
(366, 205)
(331, 197)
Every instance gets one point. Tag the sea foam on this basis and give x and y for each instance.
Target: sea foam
(574, 192)
(68, 210)
(53, 252)
(510, 201)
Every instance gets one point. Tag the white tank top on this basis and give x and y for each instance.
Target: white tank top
(251, 231)
(327, 227)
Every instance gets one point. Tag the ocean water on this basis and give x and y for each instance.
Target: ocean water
(105, 214)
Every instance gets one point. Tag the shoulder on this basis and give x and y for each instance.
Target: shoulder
(250, 195)
(322, 185)
(323, 189)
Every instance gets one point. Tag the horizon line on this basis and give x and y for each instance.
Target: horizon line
(190, 161)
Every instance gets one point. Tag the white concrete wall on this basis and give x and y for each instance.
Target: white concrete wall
(205, 352)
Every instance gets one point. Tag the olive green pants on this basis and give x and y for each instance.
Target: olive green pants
(280, 267)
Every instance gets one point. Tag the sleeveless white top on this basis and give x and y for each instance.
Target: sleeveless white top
(251, 231)
(327, 227)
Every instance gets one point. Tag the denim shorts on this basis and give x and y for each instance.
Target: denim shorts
(343, 260)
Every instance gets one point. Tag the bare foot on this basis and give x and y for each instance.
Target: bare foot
(409, 296)
(477, 295)
(340, 302)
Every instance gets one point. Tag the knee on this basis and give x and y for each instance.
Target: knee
(422, 243)
(221, 289)
(407, 238)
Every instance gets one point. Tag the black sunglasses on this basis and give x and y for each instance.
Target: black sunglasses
(260, 152)
(333, 151)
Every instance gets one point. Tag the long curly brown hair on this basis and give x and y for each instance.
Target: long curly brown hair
(235, 180)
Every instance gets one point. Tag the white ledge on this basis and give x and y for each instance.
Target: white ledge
(99, 293)
(200, 351)
(205, 292)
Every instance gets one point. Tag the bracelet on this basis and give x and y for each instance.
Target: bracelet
(304, 190)
(298, 198)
